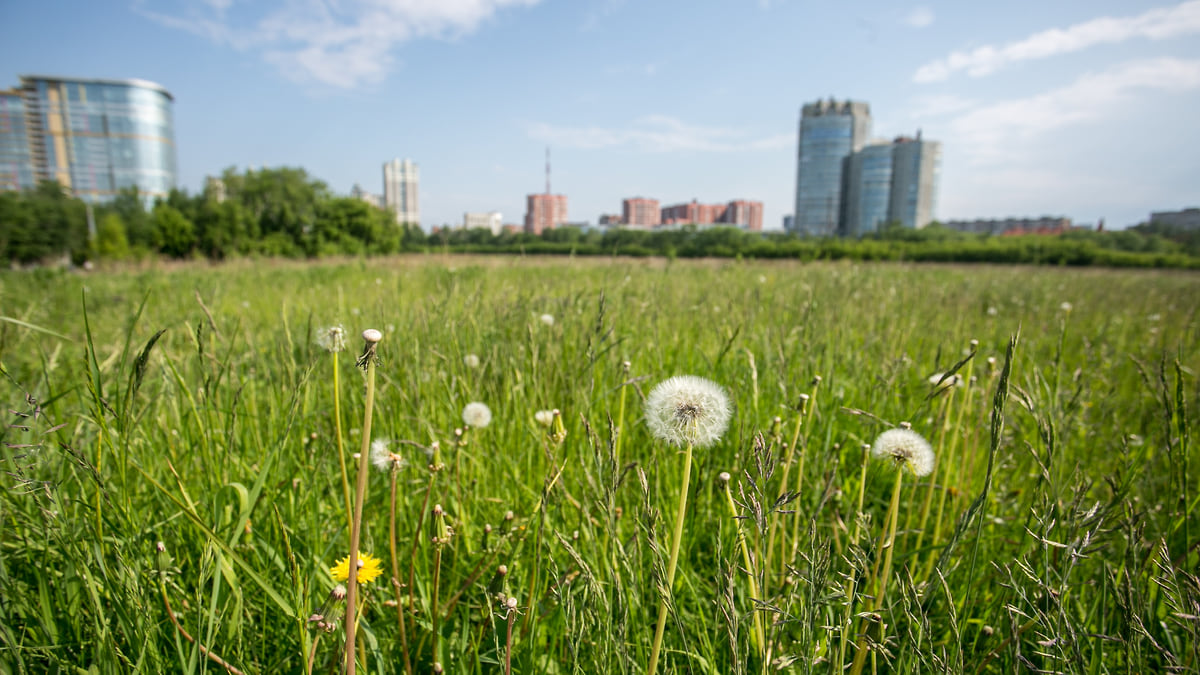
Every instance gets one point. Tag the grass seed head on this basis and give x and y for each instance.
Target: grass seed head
(686, 409)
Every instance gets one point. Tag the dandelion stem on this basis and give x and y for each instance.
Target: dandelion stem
(356, 524)
(672, 561)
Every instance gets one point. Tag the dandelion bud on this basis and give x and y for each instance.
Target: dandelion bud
(508, 515)
(437, 668)
(575, 535)
(487, 528)
(160, 547)
(371, 335)
(816, 380)
(974, 344)
(626, 366)
(162, 561)
(502, 570)
(339, 592)
(437, 510)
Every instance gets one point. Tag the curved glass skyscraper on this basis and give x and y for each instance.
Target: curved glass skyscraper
(829, 132)
(95, 137)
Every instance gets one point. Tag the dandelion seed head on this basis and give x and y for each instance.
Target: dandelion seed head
(511, 603)
(471, 361)
(547, 319)
(544, 417)
(686, 409)
(371, 335)
(476, 414)
(383, 458)
(1066, 307)
(724, 476)
(332, 339)
(954, 380)
(906, 448)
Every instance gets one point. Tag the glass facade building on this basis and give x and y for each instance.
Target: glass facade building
(868, 189)
(95, 137)
(829, 132)
(916, 168)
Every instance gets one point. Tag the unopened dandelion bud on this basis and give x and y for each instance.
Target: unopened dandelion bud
(496, 584)
(162, 560)
(437, 510)
(339, 592)
(508, 515)
(558, 433)
(437, 668)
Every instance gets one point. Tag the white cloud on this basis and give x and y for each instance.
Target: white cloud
(1156, 24)
(919, 17)
(1006, 131)
(339, 43)
(658, 133)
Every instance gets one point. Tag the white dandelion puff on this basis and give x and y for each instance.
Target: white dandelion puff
(906, 448)
(1066, 307)
(544, 417)
(382, 456)
(477, 415)
(686, 409)
(547, 319)
(954, 380)
(471, 361)
(332, 339)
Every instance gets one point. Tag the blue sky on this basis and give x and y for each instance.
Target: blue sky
(1084, 109)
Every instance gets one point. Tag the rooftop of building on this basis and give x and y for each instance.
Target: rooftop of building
(132, 82)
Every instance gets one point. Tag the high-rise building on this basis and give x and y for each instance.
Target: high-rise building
(95, 137)
(544, 212)
(916, 165)
(868, 189)
(640, 211)
(359, 193)
(829, 132)
(400, 181)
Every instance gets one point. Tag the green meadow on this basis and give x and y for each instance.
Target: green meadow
(180, 454)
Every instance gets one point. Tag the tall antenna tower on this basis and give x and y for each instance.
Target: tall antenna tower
(547, 169)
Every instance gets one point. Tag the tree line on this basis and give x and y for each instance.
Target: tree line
(283, 212)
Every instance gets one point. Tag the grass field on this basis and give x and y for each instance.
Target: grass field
(200, 469)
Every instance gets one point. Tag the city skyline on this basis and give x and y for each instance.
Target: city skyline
(1079, 109)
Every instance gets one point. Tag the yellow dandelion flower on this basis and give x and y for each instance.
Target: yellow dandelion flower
(369, 568)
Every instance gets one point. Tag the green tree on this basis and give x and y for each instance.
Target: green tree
(111, 242)
(174, 234)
